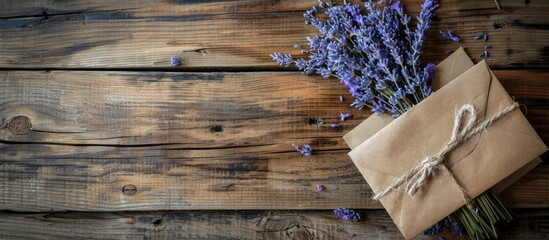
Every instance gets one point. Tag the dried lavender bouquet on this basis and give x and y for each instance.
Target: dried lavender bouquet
(377, 55)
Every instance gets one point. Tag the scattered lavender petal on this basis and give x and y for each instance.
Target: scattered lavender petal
(320, 187)
(449, 35)
(175, 61)
(485, 37)
(478, 37)
(441, 238)
(344, 116)
(488, 46)
(347, 214)
(306, 150)
(341, 99)
(297, 46)
(336, 125)
(484, 54)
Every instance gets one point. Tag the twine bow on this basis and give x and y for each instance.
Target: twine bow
(418, 175)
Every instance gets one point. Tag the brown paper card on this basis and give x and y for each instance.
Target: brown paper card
(446, 71)
(507, 145)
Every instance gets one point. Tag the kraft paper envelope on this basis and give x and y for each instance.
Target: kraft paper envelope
(478, 164)
(446, 71)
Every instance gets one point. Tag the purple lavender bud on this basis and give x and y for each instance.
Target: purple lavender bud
(175, 61)
(297, 46)
(322, 4)
(441, 238)
(282, 60)
(336, 125)
(347, 214)
(300, 63)
(430, 70)
(458, 228)
(306, 150)
(485, 37)
(344, 116)
(488, 46)
(341, 99)
(449, 35)
(320, 187)
(397, 6)
(484, 54)
(477, 37)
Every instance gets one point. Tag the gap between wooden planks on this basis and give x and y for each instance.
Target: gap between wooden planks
(237, 34)
(108, 141)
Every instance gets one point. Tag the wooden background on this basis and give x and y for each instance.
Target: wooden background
(124, 146)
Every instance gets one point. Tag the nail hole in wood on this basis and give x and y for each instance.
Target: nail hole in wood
(129, 189)
(157, 222)
(217, 128)
(315, 120)
(20, 125)
(202, 51)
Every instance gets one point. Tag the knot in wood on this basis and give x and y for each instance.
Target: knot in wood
(129, 189)
(20, 125)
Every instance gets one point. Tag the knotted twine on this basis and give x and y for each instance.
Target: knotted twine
(418, 175)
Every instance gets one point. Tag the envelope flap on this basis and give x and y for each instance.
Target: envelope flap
(424, 129)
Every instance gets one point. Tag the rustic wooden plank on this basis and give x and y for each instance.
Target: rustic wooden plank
(196, 141)
(235, 34)
(375, 224)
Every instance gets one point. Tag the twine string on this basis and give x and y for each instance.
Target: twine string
(418, 175)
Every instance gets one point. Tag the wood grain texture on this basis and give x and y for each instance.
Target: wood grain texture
(197, 141)
(235, 34)
(375, 224)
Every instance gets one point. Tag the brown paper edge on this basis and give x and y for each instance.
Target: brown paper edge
(373, 124)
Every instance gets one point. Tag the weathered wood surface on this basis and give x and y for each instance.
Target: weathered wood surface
(235, 34)
(95, 132)
(376, 224)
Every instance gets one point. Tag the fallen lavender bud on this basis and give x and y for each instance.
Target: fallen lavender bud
(320, 187)
(484, 54)
(478, 37)
(341, 99)
(488, 46)
(441, 238)
(306, 150)
(175, 61)
(344, 116)
(336, 125)
(347, 214)
(449, 35)
(485, 37)
(297, 46)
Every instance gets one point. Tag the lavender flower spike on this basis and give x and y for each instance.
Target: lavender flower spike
(347, 214)
(306, 150)
(449, 35)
